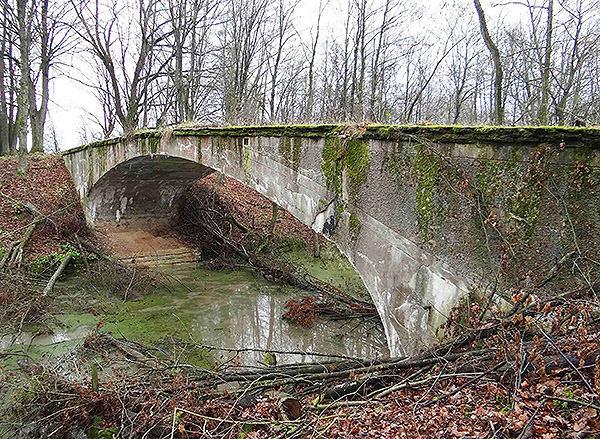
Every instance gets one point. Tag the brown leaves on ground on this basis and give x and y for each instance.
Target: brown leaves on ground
(20, 302)
(538, 399)
(49, 187)
(143, 405)
(253, 210)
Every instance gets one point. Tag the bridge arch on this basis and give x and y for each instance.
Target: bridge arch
(144, 187)
(380, 193)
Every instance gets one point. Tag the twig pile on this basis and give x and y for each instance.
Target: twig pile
(531, 375)
(226, 242)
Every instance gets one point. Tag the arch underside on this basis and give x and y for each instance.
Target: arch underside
(145, 187)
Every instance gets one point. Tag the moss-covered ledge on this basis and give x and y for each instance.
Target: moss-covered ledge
(320, 131)
(154, 133)
(571, 136)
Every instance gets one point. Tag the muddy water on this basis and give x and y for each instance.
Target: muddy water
(235, 310)
(239, 311)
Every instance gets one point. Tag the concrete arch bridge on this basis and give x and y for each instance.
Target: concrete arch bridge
(403, 203)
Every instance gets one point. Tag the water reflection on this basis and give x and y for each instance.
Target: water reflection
(38, 339)
(243, 312)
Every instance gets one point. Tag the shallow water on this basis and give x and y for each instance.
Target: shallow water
(233, 310)
(240, 311)
(41, 339)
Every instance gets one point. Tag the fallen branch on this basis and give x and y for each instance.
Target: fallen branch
(103, 255)
(14, 255)
(467, 384)
(57, 274)
(569, 362)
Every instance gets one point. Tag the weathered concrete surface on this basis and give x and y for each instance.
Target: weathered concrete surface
(407, 205)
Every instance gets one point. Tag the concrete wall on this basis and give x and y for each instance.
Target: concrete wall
(409, 206)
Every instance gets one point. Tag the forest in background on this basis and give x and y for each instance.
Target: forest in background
(165, 62)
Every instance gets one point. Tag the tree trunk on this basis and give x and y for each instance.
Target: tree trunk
(4, 121)
(38, 115)
(23, 98)
(498, 72)
(273, 218)
(543, 110)
(375, 69)
(311, 68)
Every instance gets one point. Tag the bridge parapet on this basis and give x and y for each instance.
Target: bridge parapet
(425, 214)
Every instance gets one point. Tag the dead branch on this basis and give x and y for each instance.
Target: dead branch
(59, 271)
(14, 255)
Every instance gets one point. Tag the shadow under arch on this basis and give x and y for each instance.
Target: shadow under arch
(146, 187)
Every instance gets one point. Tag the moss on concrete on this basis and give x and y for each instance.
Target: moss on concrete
(154, 144)
(397, 162)
(332, 163)
(356, 161)
(571, 136)
(354, 227)
(496, 174)
(499, 135)
(220, 143)
(296, 151)
(290, 150)
(261, 131)
(352, 155)
(101, 159)
(90, 153)
(285, 149)
(247, 161)
(513, 190)
(426, 167)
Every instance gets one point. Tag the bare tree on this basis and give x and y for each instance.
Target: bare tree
(308, 112)
(498, 71)
(283, 34)
(7, 75)
(24, 19)
(243, 35)
(123, 43)
(191, 71)
(53, 42)
(167, 61)
(546, 65)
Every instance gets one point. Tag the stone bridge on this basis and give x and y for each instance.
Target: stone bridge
(425, 214)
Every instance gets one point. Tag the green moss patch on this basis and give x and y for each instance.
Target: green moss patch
(354, 227)
(332, 163)
(426, 168)
(290, 150)
(352, 155)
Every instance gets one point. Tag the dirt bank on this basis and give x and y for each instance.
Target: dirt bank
(48, 187)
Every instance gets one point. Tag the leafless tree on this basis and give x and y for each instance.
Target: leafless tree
(8, 73)
(24, 30)
(241, 58)
(122, 38)
(53, 42)
(247, 61)
(498, 70)
(191, 72)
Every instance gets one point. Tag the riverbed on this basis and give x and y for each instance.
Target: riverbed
(230, 316)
